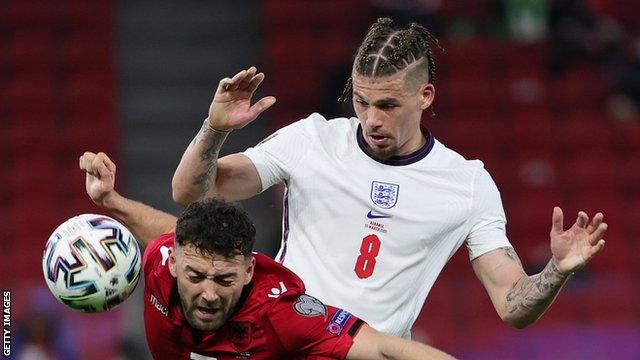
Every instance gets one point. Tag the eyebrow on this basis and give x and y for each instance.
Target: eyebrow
(387, 100)
(189, 268)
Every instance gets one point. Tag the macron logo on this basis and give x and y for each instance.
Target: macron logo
(275, 292)
(374, 215)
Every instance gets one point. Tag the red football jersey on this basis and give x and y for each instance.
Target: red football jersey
(276, 319)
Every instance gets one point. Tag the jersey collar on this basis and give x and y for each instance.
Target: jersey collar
(400, 160)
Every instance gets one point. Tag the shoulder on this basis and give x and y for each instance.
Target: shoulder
(272, 281)
(317, 125)
(155, 264)
(158, 249)
(446, 157)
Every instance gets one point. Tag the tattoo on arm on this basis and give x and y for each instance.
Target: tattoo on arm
(208, 156)
(511, 254)
(533, 294)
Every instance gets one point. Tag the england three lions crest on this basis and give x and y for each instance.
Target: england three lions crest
(384, 195)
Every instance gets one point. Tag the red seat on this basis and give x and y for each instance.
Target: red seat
(34, 133)
(89, 92)
(594, 173)
(30, 91)
(472, 92)
(585, 134)
(581, 88)
(88, 50)
(530, 212)
(90, 14)
(31, 48)
(33, 13)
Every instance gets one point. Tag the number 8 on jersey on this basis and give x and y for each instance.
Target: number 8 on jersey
(366, 262)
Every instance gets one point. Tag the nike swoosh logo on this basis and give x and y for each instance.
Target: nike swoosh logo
(371, 215)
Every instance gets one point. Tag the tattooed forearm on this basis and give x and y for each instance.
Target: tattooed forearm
(532, 295)
(210, 142)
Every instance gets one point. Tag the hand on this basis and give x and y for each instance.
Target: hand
(231, 106)
(101, 174)
(573, 248)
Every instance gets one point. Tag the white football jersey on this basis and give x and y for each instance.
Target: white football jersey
(368, 236)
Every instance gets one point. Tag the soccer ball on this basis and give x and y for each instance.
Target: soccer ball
(91, 263)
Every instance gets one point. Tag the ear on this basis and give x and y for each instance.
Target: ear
(172, 262)
(250, 268)
(427, 94)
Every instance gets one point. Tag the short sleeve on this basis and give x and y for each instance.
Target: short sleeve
(279, 154)
(306, 326)
(488, 222)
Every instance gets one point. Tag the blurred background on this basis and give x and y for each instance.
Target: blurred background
(546, 93)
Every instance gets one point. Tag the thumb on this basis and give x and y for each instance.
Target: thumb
(261, 106)
(557, 221)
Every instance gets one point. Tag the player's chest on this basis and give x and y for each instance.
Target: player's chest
(387, 199)
(235, 340)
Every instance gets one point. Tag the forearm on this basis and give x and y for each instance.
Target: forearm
(410, 350)
(531, 295)
(196, 173)
(145, 222)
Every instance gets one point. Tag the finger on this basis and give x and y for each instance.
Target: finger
(104, 172)
(582, 219)
(597, 248)
(95, 165)
(223, 85)
(86, 159)
(595, 222)
(261, 106)
(256, 80)
(598, 234)
(235, 81)
(107, 161)
(557, 221)
(246, 80)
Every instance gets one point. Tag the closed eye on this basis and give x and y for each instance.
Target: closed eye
(361, 102)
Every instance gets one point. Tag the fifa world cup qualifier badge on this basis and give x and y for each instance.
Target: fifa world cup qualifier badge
(6, 323)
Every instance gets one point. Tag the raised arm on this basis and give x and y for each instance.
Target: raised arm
(200, 173)
(145, 222)
(371, 344)
(520, 299)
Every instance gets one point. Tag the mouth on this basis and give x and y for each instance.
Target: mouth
(206, 312)
(378, 140)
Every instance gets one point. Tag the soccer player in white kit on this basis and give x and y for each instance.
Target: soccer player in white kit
(375, 206)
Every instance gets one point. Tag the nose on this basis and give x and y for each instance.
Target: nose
(209, 291)
(374, 117)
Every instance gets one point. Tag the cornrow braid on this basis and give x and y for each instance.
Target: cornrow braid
(386, 50)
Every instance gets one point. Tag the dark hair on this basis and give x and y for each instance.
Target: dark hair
(216, 228)
(387, 50)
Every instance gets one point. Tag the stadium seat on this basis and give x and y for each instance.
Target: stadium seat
(90, 15)
(30, 48)
(581, 89)
(34, 13)
(89, 91)
(30, 91)
(87, 51)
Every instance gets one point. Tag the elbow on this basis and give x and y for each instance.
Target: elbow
(518, 322)
(180, 194)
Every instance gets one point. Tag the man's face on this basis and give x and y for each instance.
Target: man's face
(389, 110)
(209, 286)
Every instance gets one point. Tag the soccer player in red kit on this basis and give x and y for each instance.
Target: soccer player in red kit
(208, 296)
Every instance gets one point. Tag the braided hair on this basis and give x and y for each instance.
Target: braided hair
(386, 50)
